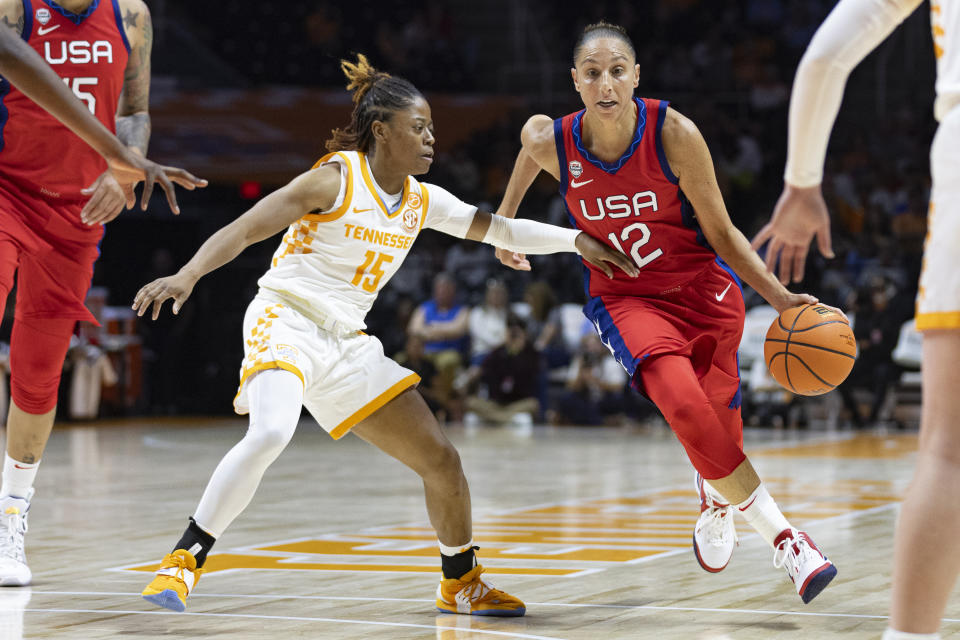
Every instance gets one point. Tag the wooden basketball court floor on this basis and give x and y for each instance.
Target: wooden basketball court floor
(590, 527)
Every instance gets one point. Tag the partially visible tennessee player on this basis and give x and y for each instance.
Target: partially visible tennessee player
(351, 222)
(927, 550)
(637, 175)
(55, 194)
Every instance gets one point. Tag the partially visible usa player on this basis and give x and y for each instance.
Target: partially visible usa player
(27, 71)
(50, 225)
(637, 175)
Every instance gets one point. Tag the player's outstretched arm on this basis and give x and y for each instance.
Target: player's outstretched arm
(538, 151)
(315, 190)
(690, 160)
(851, 31)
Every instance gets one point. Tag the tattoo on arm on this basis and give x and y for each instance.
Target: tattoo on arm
(134, 131)
(18, 26)
(133, 118)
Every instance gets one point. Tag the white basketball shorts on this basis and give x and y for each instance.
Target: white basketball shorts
(345, 378)
(938, 299)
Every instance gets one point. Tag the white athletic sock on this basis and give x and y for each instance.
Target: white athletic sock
(17, 478)
(452, 551)
(890, 634)
(763, 514)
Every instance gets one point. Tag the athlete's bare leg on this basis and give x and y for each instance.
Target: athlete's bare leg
(406, 430)
(739, 485)
(927, 550)
(27, 433)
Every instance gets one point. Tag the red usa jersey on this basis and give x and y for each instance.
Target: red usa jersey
(89, 51)
(634, 205)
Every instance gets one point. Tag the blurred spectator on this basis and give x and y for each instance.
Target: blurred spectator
(414, 358)
(595, 386)
(508, 376)
(471, 263)
(90, 365)
(544, 326)
(877, 330)
(443, 324)
(488, 322)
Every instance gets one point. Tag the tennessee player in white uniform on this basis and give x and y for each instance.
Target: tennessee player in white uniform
(351, 221)
(927, 550)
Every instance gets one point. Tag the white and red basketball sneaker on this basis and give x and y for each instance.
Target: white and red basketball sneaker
(809, 569)
(714, 537)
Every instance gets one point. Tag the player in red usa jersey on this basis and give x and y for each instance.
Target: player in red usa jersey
(55, 193)
(637, 175)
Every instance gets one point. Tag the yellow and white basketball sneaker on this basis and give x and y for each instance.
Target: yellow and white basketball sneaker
(470, 594)
(14, 571)
(175, 579)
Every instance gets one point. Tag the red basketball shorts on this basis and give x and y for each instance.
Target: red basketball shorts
(52, 254)
(702, 320)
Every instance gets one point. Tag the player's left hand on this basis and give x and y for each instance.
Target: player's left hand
(599, 255)
(106, 200)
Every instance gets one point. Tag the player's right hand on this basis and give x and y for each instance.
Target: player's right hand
(133, 168)
(599, 255)
(800, 214)
(177, 287)
(513, 259)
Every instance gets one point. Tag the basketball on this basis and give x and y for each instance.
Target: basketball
(810, 349)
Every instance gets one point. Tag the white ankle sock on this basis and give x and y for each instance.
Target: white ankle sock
(763, 514)
(452, 551)
(890, 634)
(17, 478)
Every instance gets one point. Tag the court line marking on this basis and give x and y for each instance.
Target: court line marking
(570, 605)
(490, 632)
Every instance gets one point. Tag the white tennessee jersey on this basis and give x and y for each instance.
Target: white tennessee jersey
(945, 22)
(331, 265)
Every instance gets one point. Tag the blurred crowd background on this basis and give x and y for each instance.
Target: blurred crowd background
(245, 94)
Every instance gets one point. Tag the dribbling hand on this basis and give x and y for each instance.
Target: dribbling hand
(799, 216)
(601, 256)
(177, 287)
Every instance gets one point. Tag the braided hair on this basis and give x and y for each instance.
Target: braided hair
(376, 96)
(602, 30)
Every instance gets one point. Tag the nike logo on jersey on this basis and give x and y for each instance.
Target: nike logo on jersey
(355, 210)
(577, 185)
(42, 31)
(721, 296)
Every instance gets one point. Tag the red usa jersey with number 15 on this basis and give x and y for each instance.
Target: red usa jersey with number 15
(634, 205)
(89, 51)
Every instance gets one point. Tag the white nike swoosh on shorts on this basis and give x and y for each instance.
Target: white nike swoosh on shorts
(721, 296)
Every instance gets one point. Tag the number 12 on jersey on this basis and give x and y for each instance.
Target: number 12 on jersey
(644, 238)
(369, 273)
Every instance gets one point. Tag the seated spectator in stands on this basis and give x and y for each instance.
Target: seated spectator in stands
(509, 377)
(443, 324)
(414, 358)
(544, 326)
(877, 328)
(595, 386)
(471, 263)
(92, 369)
(488, 322)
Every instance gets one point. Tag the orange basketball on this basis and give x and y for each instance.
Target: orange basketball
(810, 349)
